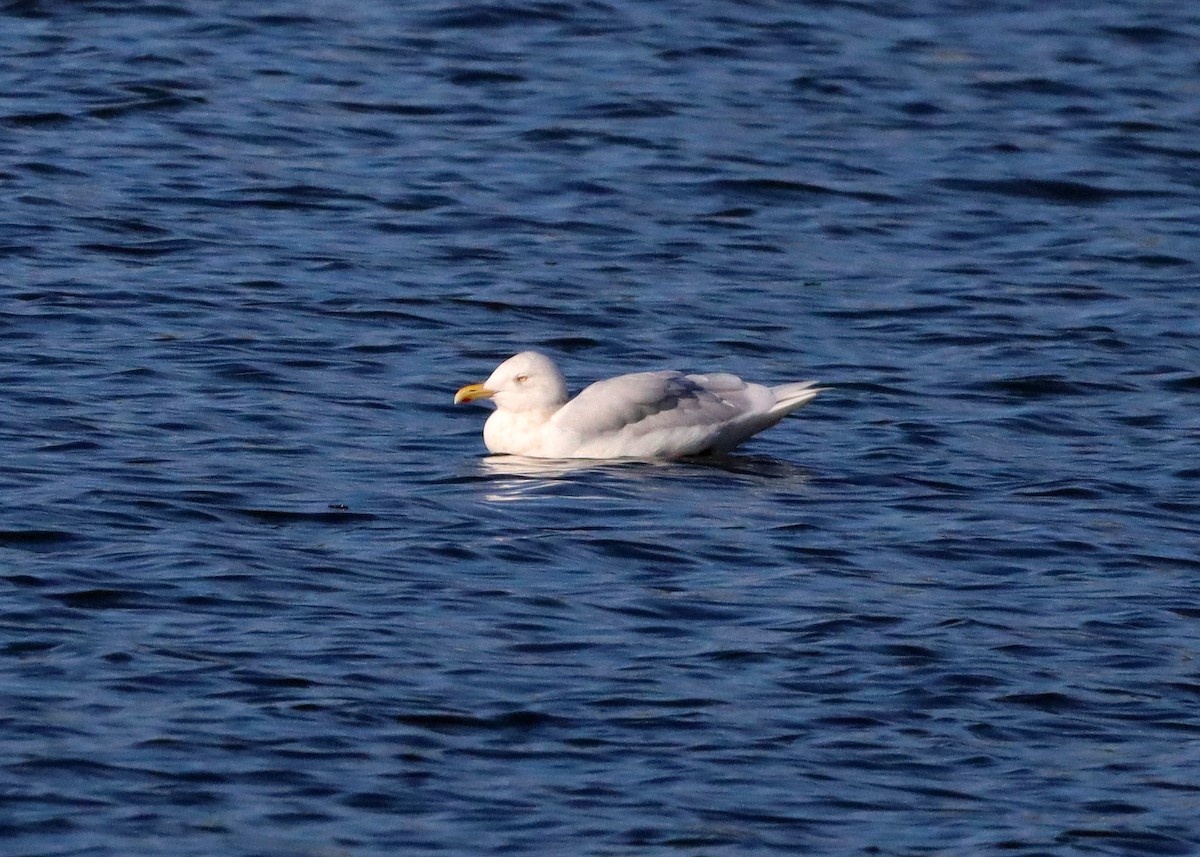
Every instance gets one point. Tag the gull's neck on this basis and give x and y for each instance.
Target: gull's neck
(517, 432)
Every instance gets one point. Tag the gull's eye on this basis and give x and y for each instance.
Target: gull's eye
(521, 379)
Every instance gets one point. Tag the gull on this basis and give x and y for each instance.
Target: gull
(647, 415)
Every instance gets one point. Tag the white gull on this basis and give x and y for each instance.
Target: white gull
(641, 415)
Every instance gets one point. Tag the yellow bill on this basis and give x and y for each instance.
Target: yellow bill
(471, 392)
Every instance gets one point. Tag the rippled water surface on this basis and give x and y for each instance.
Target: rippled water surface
(264, 594)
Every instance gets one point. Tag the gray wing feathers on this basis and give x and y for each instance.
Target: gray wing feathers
(652, 400)
(657, 413)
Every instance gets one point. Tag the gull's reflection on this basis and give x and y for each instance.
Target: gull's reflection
(546, 468)
(515, 477)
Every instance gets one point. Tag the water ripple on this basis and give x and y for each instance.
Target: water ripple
(266, 594)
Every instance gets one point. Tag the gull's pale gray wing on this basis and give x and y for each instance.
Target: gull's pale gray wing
(661, 412)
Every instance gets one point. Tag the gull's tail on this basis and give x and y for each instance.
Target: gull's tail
(789, 397)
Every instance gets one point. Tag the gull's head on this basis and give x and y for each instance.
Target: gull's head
(528, 381)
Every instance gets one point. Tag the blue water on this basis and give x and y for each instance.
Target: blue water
(264, 594)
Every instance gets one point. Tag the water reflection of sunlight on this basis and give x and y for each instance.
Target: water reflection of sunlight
(514, 477)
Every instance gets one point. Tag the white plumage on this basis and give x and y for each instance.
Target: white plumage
(643, 415)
